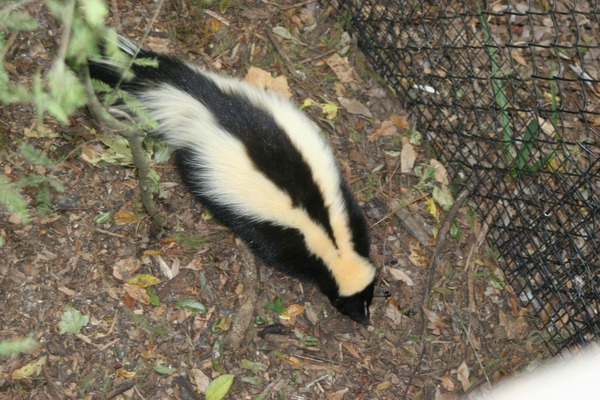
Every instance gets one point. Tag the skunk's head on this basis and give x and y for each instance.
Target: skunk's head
(356, 306)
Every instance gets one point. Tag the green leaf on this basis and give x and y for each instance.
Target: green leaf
(217, 357)
(277, 306)
(219, 387)
(443, 197)
(95, 11)
(154, 300)
(72, 321)
(103, 217)
(455, 230)
(12, 200)
(10, 347)
(163, 369)
(525, 149)
(192, 305)
(35, 156)
(67, 91)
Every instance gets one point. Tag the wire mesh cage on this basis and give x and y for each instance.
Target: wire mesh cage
(508, 93)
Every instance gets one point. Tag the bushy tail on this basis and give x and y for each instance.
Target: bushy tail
(113, 71)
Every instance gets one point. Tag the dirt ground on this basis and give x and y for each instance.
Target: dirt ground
(137, 346)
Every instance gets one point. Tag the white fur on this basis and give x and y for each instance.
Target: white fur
(186, 123)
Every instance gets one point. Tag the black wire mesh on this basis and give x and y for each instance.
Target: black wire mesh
(508, 93)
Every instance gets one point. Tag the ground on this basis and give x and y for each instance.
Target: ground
(137, 346)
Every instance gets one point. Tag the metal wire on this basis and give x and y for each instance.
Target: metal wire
(508, 94)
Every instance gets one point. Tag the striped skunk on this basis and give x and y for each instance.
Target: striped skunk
(262, 168)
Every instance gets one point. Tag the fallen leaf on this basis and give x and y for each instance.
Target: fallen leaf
(463, 376)
(125, 268)
(432, 208)
(291, 311)
(67, 291)
(407, 156)
(136, 293)
(341, 67)
(354, 106)
(144, 280)
(264, 80)
(125, 217)
(338, 395)
(200, 379)
(122, 372)
(400, 275)
(399, 121)
(416, 255)
(435, 321)
(28, 370)
(387, 128)
(285, 34)
(441, 174)
(518, 57)
(384, 385)
(447, 383)
(350, 349)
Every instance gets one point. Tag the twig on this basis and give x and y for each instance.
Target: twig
(285, 57)
(119, 390)
(242, 319)
(467, 333)
(54, 392)
(469, 262)
(187, 391)
(136, 139)
(441, 240)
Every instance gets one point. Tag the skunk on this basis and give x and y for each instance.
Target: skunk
(261, 167)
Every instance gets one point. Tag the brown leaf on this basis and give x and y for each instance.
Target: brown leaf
(435, 320)
(341, 67)
(463, 376)
(264, 80)
(338, 395)
(407, 156)
(387, 128)
(399, 121)
(354, 106)
(447, 383)
(400, 275)
(441, 174)
(125, 217)
(518, 57)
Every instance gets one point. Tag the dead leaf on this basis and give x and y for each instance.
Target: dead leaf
(350, 349)
(125, 217)
(384, 386)
(200, 379)
(387, 128)
(354, 106)
(435, 321)
(463, 376)
(447, 383)
(67, 291)
(125, 268)
(264, 80)
(341, 67)
(518, 57)
(399, 121)
(338, 395)
(28, 370)
(441, 174)
(408, 156)
(291, 311)
(122, 372)
(400, 275)
(136, 293)
(416, 255)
